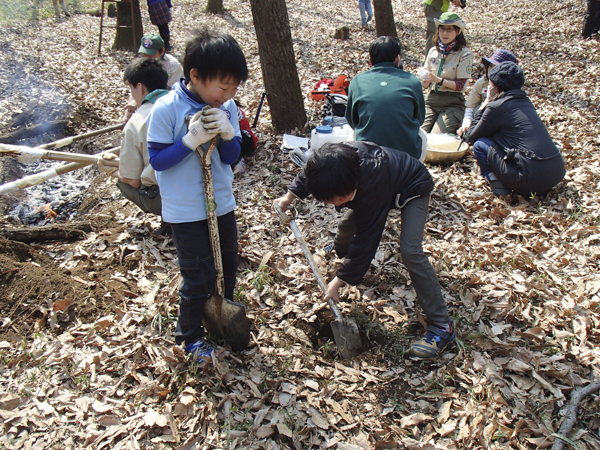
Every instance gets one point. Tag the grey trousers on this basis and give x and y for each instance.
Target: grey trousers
(424, 278)
(141, 197)
(430, 14)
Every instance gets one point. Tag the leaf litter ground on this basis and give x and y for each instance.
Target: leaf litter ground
(88, 357)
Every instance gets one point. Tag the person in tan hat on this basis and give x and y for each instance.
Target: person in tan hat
(446, 74)
(433, 10)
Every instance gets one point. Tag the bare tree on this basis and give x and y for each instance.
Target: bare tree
(278, 64)
(384, 18)
(214, 6)
(125, 38)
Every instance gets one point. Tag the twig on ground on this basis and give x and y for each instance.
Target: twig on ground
(571, 415)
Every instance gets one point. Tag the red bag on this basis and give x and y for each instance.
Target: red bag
(329, 86)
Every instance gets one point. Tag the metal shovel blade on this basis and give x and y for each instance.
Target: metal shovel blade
(347, 337)
(345, 331)
(229, 324)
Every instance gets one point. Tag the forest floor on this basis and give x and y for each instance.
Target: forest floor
(87, 355)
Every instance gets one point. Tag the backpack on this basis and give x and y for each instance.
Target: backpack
(335, 105)
(330, 86)
(249, 140)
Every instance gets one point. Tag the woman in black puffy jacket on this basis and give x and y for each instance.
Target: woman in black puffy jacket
(510, 142)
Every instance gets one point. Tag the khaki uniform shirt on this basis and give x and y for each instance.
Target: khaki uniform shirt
(174, 69)
(134, 161)
(478, 93)
(455, 66)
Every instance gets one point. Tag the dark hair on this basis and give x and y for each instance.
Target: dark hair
(332, 171)
(214, 55)
(462, 40)
(150, 72)
(384, 49)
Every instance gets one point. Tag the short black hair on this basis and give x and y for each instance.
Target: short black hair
(214, 55)
(332, 171)
(148, 71)
(384, 49)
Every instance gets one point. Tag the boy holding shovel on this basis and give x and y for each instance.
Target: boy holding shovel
(370, 181)
(214, 66)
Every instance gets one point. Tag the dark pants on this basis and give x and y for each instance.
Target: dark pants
(165, 34)
(422, 275)
(431, 13)
(198, 272)
(591, 22)
(147, 198)
(448, 106)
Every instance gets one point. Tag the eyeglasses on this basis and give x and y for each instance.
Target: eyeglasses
(447, 30)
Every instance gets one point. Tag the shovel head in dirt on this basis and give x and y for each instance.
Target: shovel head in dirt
(347, 337)
(227, 320)
(345, 331)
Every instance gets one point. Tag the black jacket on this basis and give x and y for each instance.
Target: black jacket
(524, 158)
(389, 179)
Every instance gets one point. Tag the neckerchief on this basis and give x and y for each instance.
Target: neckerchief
(445, 51)
(154, 95)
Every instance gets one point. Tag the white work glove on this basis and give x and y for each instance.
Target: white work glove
(102, 158)
(197, 134)
(216, 121)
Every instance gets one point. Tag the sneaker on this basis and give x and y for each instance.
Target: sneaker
(368, 20)
(240, 168)
(200, 350)
(434, 341)
(498, 188)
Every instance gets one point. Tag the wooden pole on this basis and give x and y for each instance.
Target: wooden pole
(27, 154)
(45, 175)
(68, 141)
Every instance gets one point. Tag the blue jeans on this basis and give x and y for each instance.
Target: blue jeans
(198, 273)
(481, 148)
(365, 5)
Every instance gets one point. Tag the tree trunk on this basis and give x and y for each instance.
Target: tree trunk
(214, 6)
(125, 38)
(278, 64)
(384, 18)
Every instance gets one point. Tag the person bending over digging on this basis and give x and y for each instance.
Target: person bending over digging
(147, 81)
(370, 181)
(214, 66)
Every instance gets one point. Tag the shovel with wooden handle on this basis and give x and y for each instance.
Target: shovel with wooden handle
(345, 331)
(222, 317)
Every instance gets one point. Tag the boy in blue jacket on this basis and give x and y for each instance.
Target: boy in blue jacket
(214, 66)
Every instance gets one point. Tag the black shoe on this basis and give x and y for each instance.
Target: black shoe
(164, 229)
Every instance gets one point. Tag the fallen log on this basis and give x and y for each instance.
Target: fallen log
(36, 130)
(41, 177)
(571, 416)
(54, 232)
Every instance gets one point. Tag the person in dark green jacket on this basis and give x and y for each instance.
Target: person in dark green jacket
(386, 104)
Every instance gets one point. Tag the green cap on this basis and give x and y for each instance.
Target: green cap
(451, 18)
(151, 43)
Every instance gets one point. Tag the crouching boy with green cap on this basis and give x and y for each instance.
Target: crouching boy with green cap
(370, 181)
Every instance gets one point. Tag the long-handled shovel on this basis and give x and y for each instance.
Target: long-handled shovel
(222, 317)
(345, 331)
